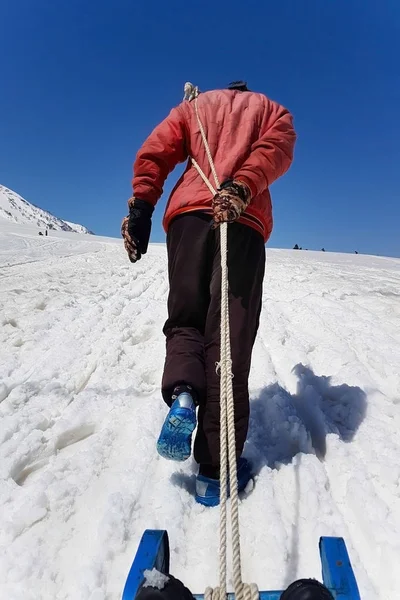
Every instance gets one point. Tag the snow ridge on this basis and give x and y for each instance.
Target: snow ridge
(16, 209)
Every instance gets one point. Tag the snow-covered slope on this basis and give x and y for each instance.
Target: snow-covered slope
(81, 356)
(16, 209)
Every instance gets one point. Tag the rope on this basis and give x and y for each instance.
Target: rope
(250, 592)
(227, 412)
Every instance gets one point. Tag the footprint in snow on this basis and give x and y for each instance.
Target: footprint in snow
(22, 473)
(74, 435)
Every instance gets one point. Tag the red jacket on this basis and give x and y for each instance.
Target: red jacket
(251, 139)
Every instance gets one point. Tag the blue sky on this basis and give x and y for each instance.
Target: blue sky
(83, 83)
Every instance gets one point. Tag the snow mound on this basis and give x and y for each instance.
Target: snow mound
(16, 209)
(81, 358)
(155, 579)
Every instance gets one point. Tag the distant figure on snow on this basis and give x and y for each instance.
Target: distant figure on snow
(251, 139)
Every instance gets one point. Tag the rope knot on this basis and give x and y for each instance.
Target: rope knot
(190, 91)
(226, 366)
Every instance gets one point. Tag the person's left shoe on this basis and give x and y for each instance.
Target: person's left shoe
(172, 590)
(175, 440)
(208, 489)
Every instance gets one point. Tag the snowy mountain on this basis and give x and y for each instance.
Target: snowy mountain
(81, 357)
(16, 209)
(78, 228)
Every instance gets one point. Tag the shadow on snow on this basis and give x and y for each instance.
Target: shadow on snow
(284, 424)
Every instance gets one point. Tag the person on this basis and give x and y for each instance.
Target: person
(251, 140)
(174, 589)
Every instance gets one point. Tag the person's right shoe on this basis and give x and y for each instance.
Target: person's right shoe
(175, 440)
(307, 589)
(208, 489)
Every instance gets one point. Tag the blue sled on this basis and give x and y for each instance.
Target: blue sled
(337, 573)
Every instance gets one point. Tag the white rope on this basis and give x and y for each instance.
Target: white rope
(227, 411)
(204, 177)
(207, 147)
(250, 592)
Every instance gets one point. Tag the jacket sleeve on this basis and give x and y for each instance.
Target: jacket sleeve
(158, 156)
(272, 154)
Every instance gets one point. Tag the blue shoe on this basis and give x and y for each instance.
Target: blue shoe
(208, 490)
(244, 474)
(175, 441)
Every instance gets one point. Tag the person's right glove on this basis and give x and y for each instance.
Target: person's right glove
(136, 228)
(230, 201)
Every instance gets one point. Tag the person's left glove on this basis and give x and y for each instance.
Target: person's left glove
(136, 228)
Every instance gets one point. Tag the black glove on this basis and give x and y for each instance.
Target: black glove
(136, 228)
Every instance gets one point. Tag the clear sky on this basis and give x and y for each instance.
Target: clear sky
(84, 82)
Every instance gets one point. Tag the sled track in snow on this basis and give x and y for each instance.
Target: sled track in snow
(81, 358)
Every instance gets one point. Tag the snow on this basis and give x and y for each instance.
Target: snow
(77, 228)
(16, 209)
(81, 357)
(155, 579)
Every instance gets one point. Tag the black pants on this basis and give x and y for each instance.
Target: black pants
(193, 327)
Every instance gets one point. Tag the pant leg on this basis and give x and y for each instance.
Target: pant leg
(246, 265)
(189, 246)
